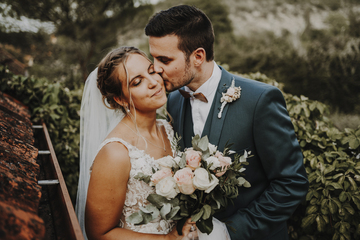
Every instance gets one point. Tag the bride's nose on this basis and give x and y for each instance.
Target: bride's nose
(152, 82)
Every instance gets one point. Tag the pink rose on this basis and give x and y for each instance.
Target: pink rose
(193, 158)
(225, 162)
(161, 174)
(183, 178)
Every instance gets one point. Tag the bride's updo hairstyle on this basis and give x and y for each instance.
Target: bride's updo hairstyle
(108, 80)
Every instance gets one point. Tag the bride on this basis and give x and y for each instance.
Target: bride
(118, 141)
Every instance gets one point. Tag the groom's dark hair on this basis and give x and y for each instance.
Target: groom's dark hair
(189, 24)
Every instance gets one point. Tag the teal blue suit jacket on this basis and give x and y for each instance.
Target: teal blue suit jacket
(258, 122)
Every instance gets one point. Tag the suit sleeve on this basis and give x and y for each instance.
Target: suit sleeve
(282, 160)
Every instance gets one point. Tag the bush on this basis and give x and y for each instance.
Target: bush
(331, 209)
(59, 108)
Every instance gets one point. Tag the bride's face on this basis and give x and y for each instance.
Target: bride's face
(146, 87)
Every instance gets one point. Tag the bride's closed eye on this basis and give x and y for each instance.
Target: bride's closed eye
(151, 69)
(136, 82)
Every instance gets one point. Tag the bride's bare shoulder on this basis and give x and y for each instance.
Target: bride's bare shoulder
(112, 156)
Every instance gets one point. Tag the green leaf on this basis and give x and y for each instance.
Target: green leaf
(352, 182)
(207, 211)
(329, 169)
(194, 142)
(173, 212)
(203, 144)
(356, 200)
(354, 143)
(148, 208)
(337, 175)
(342, 196)
(349, 209)
(198, 215)
(309, 195)
(308, 220)
(336, 185)
(135, 218)
(166, 208)
(320, 223)
(157, 200)
(343, 228)
(332, 207)
(182, 162)
(312, 209)
(205, 226)
(142, 177)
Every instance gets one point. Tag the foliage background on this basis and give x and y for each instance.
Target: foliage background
(311, 48)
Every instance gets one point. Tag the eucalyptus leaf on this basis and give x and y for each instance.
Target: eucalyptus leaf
(203, 144)
(194, 142)
(173, 213)
(166, 208)
(182, 162)
(195, 217)
(146, 218)
(207, 212)
(157, 200)
(151, 209)
(135, 218)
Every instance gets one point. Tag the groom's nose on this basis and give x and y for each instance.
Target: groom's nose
(157, 68)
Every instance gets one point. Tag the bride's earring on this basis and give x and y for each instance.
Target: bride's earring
(127, 109)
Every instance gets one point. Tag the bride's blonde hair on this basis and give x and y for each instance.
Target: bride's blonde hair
(109, 81)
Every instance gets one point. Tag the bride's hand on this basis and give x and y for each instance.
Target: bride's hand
(173, 235)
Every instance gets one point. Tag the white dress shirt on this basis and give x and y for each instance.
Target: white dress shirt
(199, 109)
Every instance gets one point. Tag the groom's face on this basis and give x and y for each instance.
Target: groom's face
(170, 62)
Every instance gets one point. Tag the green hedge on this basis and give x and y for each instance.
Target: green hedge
(332, 161)
(331, 209)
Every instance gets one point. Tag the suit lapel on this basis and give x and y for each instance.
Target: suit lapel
(181, 120)
(214, 125)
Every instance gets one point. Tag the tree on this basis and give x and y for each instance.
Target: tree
(85, 28)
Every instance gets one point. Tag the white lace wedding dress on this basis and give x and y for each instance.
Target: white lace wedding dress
(137, 190)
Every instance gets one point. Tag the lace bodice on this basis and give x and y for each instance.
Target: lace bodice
(137, 191)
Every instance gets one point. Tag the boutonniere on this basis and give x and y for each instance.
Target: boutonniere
(231, 95)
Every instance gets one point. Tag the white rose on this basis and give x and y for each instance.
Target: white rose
(167, 162)
(167, 187)
(201, 180)
(215, 162)
(212, 149)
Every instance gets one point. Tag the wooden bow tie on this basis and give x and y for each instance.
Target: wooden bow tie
(199, 96)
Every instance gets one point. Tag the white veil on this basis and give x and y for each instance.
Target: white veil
(96, 122)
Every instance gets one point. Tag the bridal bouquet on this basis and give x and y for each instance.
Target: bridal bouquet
(196, 183)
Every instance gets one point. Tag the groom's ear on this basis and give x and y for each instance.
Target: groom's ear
(199, 56)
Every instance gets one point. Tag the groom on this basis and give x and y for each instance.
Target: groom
(181, 42)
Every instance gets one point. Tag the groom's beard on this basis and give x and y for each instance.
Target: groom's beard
(175, 84)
